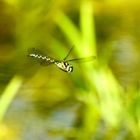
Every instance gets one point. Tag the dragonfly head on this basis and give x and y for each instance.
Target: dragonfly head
(69, 68)
(65, 66)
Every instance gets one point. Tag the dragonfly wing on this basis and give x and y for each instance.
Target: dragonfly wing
(85, 59)
(47, 62)
(44, 63)
(35, 51)
(68, 54)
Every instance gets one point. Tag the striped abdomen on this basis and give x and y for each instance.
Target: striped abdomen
(42, 57)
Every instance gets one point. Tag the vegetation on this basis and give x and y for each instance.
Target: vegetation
(99, 100)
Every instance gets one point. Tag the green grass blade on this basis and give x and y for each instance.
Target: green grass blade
(8, 95)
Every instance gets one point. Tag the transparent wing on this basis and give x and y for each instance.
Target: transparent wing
(45, 63)
(35, 51)
(85, 59)
(68, 54)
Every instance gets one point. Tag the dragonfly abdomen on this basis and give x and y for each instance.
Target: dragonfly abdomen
(42, 57)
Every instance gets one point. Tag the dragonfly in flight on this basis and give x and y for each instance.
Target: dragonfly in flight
(64, 64)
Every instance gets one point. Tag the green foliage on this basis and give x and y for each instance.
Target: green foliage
(99, 100)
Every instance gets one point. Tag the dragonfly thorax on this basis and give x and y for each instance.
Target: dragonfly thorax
(63, 65)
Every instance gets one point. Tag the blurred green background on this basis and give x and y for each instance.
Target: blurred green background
(100, 99)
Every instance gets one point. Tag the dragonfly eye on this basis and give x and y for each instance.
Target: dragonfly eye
(70, 69)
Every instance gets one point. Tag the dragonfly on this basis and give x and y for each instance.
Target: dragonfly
(63, 64)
